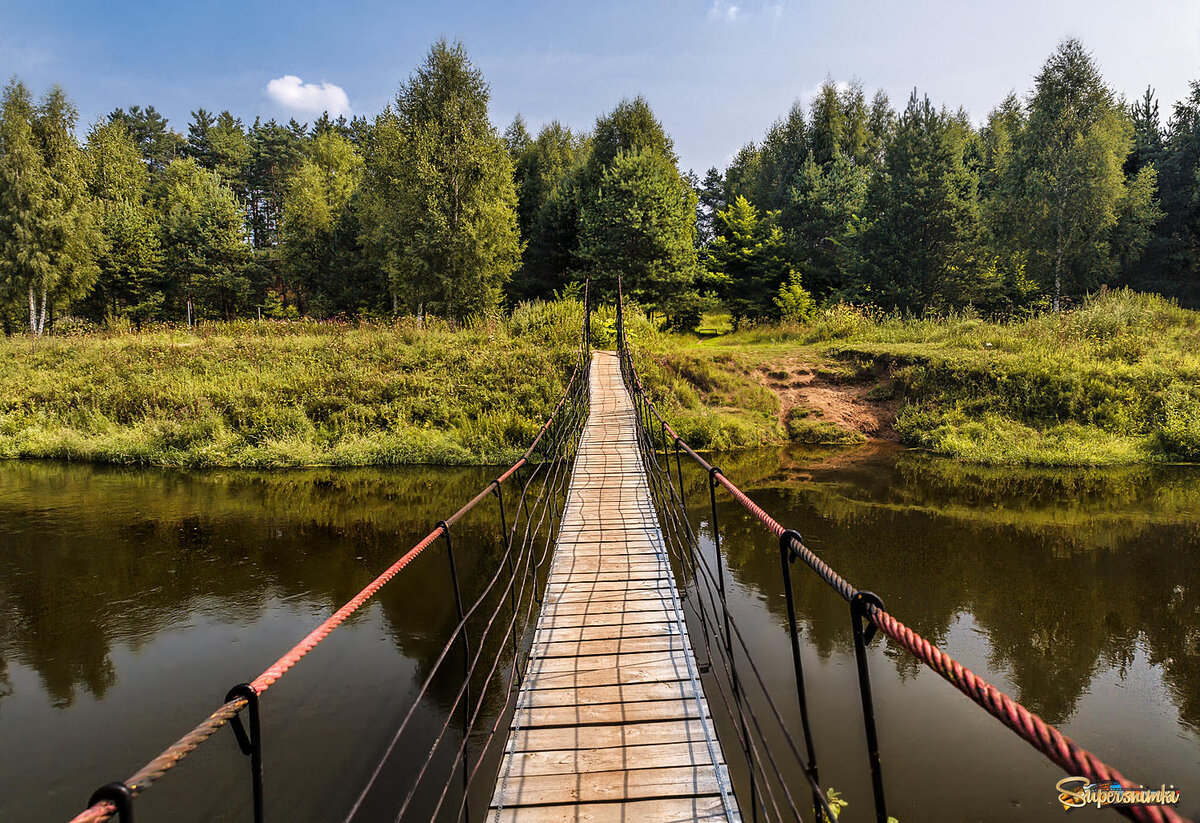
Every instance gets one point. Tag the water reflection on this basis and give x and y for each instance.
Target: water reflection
(1078, 592)
(130, 600)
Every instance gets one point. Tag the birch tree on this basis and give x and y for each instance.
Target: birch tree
(1070, 173)
(48, 236)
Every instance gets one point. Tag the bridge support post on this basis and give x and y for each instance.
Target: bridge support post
(862, 636)
(463, 751)
(785, 561)
(250, 744)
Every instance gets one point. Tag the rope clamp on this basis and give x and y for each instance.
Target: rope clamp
(859, 605)
(119, 795)
(785, 543)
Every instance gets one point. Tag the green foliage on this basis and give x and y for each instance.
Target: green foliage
(641, 226)
(921, 248)
(317, 229)
(203, 248)
(749, 259)
(1112, 382)
(48, 233)
(1067, 175)
(441, 204)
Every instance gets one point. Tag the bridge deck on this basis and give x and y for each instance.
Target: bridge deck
(611, 723)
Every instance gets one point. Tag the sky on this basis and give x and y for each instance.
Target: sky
(716, 72)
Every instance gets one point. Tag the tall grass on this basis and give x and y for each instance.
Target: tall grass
(1115, 381)
(291, 393)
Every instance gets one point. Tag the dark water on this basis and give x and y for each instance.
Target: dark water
(131, 600)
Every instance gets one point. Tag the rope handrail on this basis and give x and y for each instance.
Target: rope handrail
(1043, 736)
(110, 800)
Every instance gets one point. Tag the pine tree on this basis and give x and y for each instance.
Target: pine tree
(641, 225)
(151, 131)
(130, 261)
(923, 247)
(750, 261)
(204, 252)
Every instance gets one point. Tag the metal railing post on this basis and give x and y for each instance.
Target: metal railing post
(119, 795)
(785, 561)
(250, 744)
(462, 622)
(863, 636)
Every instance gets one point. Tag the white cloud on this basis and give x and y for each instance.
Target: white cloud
(291, 92)
(722, 10)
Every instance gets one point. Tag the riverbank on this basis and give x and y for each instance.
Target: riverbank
(1116, 381)
(268, 395)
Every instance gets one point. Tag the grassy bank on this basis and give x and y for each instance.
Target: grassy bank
(290, 394)
(1116, 381)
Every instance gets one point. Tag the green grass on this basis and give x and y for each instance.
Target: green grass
(290, 394)
(1116, 381)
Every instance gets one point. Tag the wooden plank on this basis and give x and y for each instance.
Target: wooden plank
(669, 810)
(582, 761)
(633, 784)
(602, 677)
(613, 713)
(674, 659)
(569, 619)
(615, 631)
(600, 737)
(620, 645)
(633, 693)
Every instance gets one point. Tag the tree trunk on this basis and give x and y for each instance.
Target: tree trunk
(189, 312)
(1057, 283)
(42, 319)
(32, 313)
(421, 315)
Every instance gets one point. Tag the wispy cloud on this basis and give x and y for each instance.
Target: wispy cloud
(730, 12)
(722, 10)
(291, 92)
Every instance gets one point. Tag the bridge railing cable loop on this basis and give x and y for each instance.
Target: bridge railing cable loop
(867, 615)
(555, 442)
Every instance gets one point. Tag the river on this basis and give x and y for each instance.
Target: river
(132, 599)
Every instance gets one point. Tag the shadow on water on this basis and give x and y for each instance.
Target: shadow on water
(130, 600)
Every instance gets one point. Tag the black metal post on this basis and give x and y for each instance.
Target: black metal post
(250, 744)
(119, 795)
(462, 621)
(858, 606)
(512, 569)
(785, 560)
(713, 471)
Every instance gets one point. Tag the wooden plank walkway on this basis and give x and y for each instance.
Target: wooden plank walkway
(611, 723)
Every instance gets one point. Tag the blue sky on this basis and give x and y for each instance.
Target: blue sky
(717, 72)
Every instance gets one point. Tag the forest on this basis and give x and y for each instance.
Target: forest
(428, 209)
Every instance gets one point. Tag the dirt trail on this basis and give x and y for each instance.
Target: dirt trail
(838, 400)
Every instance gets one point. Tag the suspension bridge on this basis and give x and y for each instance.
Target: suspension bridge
(591, 664)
